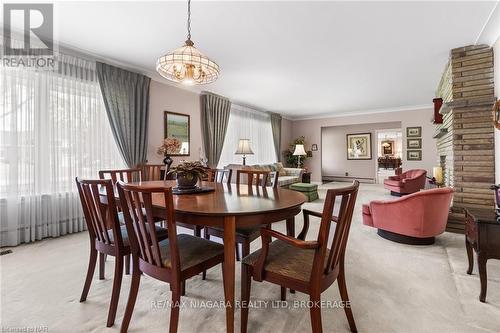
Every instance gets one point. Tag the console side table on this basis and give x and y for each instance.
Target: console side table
(482, 233)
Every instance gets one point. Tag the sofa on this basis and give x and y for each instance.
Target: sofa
(286, 176)
(413, 219)
(408, 182)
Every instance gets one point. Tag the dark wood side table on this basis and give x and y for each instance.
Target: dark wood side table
(482, 233)
(306, 177)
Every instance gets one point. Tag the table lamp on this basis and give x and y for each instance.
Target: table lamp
(437, 173)
(244, 149)
(185, 148)
(299, 151)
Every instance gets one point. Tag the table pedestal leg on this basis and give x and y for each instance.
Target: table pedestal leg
(229, 270)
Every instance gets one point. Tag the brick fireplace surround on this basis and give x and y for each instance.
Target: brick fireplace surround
(465, 139)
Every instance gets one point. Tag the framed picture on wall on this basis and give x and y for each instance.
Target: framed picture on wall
(176, 126)
(387, 147)
(314, 147)
(359, 146)
(414, 132)
(414, 155)
(414, 143)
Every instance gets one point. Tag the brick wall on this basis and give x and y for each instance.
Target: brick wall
(465, 140)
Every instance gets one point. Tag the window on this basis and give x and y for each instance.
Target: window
(245, 123)
(53, 127)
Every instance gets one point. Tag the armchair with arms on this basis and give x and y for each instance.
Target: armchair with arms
(408, 182)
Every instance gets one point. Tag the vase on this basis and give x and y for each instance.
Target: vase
(186, 180)
(168, 162)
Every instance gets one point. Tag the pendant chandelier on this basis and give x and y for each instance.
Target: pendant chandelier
(187, 64)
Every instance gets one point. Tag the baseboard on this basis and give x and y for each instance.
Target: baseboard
(367, 180)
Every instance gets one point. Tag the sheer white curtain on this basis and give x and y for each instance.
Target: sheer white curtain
(53, 127)
(246, 123)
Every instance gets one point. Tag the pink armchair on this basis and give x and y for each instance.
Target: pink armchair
(410, 181)
(413, 219)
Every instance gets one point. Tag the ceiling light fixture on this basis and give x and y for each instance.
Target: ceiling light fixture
(187, 64)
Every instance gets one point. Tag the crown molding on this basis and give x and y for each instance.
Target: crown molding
(364, 112)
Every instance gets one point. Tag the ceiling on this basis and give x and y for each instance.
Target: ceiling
(302, 59)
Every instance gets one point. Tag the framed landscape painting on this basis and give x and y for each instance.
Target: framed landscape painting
(414, 132)
(359, 146)
(414, 155)
(414, 143)
(176, 126)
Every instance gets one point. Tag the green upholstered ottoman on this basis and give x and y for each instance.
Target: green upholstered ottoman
(309, 190)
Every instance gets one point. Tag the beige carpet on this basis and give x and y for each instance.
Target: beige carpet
(392, 287)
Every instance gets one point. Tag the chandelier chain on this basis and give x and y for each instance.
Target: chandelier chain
(189, 20)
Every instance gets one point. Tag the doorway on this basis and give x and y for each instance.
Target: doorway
(389, 152)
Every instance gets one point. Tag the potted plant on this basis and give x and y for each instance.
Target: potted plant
(169, 147)
(187, 174)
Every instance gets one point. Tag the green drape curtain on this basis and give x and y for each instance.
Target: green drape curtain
(126, 98)
(276, 127)
(214, 119)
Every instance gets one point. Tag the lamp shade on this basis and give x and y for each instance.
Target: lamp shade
(244, 147)
(299, 150)
(185, 148)
(437, 173)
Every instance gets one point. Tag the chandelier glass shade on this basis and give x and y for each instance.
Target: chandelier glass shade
(187, 64)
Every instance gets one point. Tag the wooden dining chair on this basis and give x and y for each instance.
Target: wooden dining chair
(220, 175)
(306, 266)
(125, 175)
(245, 235)
(107, 237)
(173, 260)
(153, 172)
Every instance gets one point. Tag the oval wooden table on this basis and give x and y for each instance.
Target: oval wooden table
(231, 206)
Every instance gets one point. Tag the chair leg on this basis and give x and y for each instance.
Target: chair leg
(246, 284)
(197, 231)
(315, 312)
(345, 297)
(174, 310)
(237, 249)
(283, 293)
(183, 288)
(132, 296)
(90, 274)
(206, 236)
(127, 264)
(245, 248)
(115, 295)
(102, 265)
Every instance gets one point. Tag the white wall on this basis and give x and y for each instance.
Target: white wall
(334, 162)
(165, 97)
(496, 62)
(311, 129)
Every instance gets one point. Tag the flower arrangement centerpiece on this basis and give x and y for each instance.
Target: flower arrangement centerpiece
(187, 174)
(169, 147)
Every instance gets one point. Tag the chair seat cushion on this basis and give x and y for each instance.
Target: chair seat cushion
(192, 251)
(396, 183)
(161, 233)
(286, 260)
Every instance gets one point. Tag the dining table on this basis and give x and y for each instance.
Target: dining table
(230, 206)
